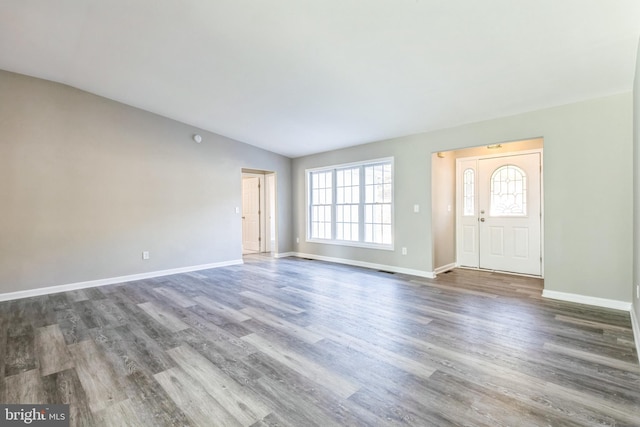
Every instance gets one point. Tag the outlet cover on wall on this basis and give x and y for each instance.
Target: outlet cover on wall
(145, 255)
(404, 251)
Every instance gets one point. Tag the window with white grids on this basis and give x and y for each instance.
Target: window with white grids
(377, 204)
(352, 204)
(320, 205)
(347, 204)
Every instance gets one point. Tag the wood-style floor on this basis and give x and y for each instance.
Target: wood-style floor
(294, 342)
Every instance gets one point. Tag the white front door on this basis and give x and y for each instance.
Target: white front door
(251, 214)
(510, 213)
(499, 220)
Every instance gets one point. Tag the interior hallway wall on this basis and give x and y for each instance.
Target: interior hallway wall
(443, 181)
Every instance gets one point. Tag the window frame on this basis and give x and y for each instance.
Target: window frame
(361, 205)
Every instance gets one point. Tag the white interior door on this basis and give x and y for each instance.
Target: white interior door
(251, 214)
(499, 213)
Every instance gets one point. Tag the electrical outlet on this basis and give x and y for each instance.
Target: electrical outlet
(145, 255)
(416, 208)
(404, 251)
(297, 240)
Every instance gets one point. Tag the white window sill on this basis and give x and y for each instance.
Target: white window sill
(352, 244)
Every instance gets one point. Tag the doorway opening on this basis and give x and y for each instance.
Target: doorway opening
(259, 208)
(488, 211)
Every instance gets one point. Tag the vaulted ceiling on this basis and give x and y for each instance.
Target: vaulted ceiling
(303, 76)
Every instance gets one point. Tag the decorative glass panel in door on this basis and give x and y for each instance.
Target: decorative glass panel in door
(469, 191)
(508, 191)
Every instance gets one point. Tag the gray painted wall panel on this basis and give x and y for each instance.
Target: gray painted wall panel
(87, 184)
(588, 192)
(636, 196)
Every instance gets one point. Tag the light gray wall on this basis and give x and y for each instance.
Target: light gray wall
(412, 174)
(443, 209)
(636, 180)
(87, 184)
(528, 144)
(588, 176)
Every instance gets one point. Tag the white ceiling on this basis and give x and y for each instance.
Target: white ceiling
(303, 76)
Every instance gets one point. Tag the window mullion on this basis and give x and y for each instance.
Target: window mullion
(310, 207)
(311, 203)
(361, 200)
(334, 200)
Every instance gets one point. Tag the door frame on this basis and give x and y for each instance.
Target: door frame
(270, 203)
(268, 211)
(260, 178)
(459, 203)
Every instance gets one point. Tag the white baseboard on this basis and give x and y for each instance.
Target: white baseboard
(583, 299)
(284, 254)
(635, 325)
(444, 268)
(394, 269)
(111, 281)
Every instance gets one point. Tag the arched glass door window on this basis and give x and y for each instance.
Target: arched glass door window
(468, 192)
(508, 192)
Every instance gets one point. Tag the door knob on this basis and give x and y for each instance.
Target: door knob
(481, 219)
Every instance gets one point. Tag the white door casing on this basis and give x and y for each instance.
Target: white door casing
(270, 213)
(506, 235)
